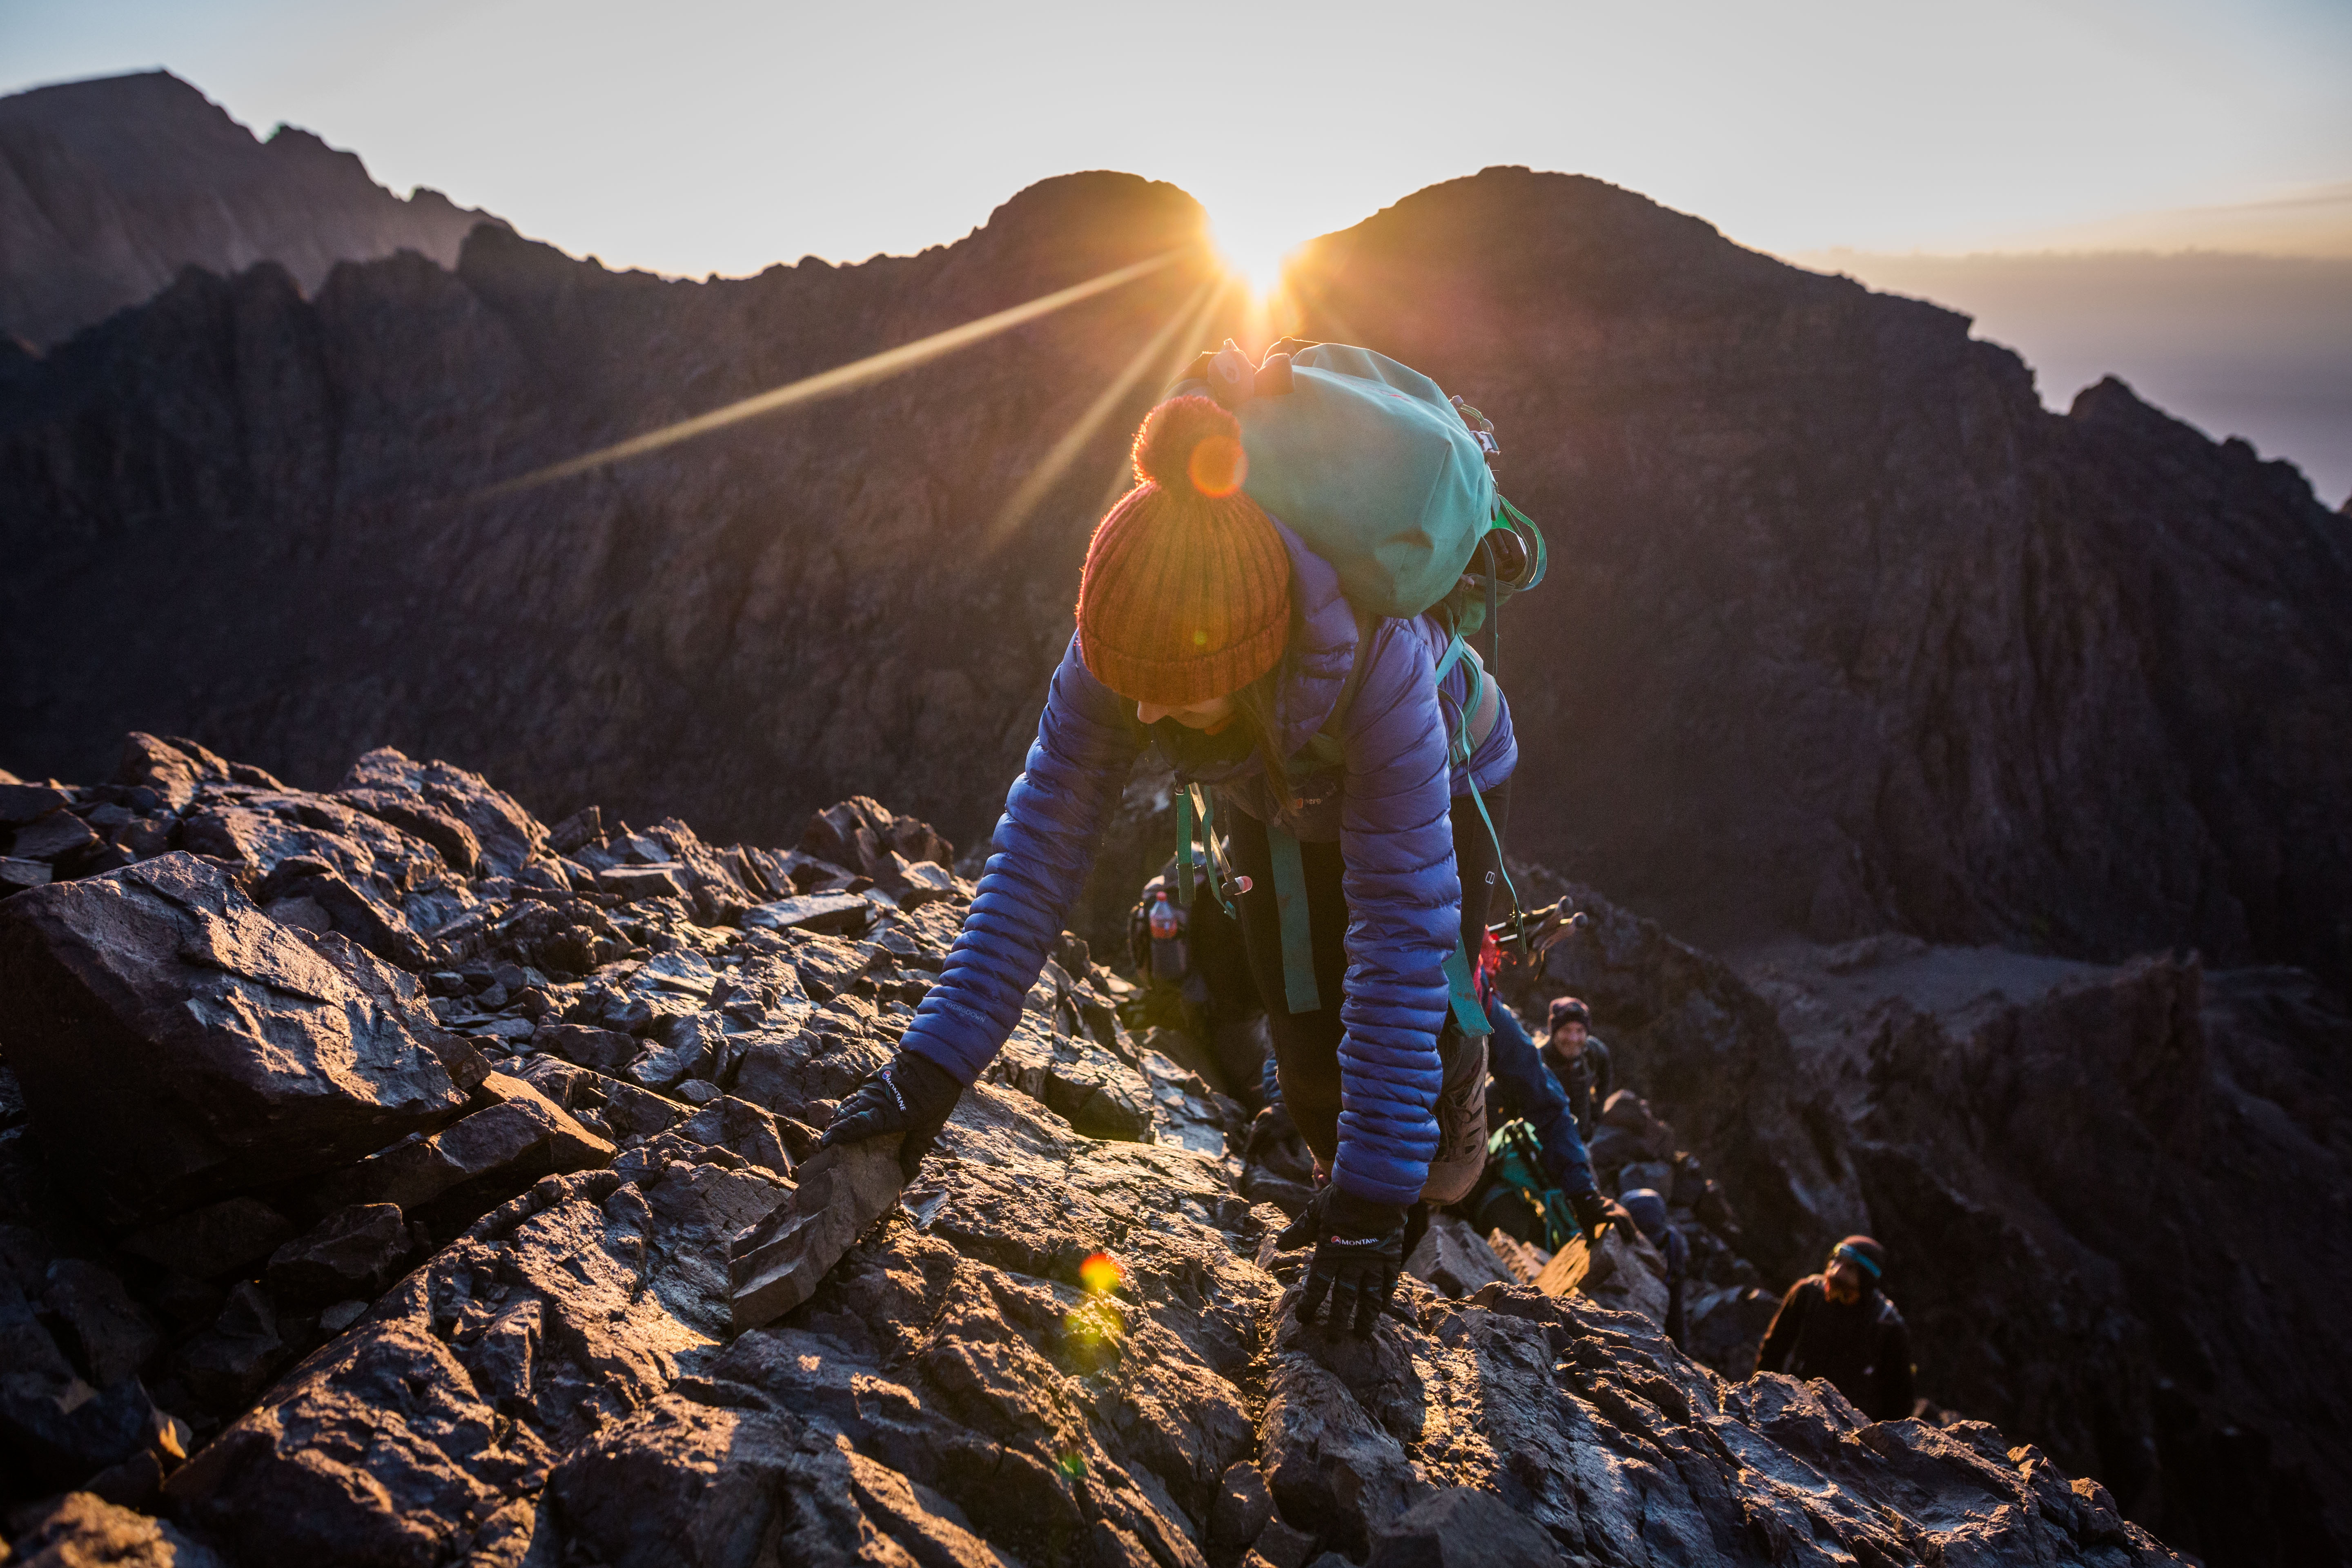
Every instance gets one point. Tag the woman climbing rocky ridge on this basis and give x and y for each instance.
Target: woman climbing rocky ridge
(446, 1282)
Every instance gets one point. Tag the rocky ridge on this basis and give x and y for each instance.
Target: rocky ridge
(1844, 632)
(594, 1057)
(2128, 1186)
(109, 187)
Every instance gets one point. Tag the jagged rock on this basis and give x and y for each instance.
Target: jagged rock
(655, 881)
(1243, 1506)
(81, 1530)
(54, 1427)
(59, 836)
(109, 1336)
(1044, 1348)
(691, 1045)
(24, 802)
(517, 1137)
(235, 1053)
(605, 1050)
(1456, 1260)
(413, 814)
(227, 1363)
(216, 1241)
(1461, 1528)
(608, 1106)
(507, 837)
(17, 875)
(778, 1264)
(557, 1314)
(832, 913)
(355, 1251)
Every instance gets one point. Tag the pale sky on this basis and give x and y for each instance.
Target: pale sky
(697, 136)
(719, 135)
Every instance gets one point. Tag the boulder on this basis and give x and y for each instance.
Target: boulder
(56, 837)
(216, 1241)
(81, 1530)
(175, 1045)
(777, 1263)
(507, 837)
(353, 1252)
(518, 1136)
(1463, 1526)
(834, 913)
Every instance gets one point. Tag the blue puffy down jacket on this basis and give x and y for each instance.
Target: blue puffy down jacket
(1404, 901)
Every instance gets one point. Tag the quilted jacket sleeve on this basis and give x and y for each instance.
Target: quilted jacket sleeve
(1045, 845)
(1404, 916)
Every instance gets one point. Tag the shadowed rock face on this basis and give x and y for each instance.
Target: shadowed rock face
(2116, 1202)
(1056, 1349)
(1844, 632)
(107, 188)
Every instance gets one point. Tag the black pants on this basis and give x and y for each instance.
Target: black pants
(1307, 1044)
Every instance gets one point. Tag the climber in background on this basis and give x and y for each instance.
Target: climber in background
(1527, 1089)
(1208, 627)
(1580, 1062)
(1196, 978)
(1648, 1207)
(1839, 1325)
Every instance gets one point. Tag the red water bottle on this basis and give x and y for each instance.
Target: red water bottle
(1167, 955)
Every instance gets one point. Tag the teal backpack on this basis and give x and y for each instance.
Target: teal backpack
(1389, 480)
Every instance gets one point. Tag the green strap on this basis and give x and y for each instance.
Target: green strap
(1299, 992)
(1460, 752)
(1469, 1017)
(1185, 849)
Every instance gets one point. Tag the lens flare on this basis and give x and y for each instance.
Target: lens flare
(1218, 466)
(1101, 1274)
(842, 378)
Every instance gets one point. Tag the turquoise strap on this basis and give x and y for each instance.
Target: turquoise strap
(1299, 992)
(1185, 849)
(1460, 754)
(1469, 1017)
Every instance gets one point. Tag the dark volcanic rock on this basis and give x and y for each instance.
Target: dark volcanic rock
(107, 188)
(1047, 1348)
(2117, 1203)
(233, 1053)
(81, 1530)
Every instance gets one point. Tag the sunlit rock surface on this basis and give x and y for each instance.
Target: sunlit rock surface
(1058, 1348)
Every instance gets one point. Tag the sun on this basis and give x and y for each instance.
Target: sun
(1255, 252)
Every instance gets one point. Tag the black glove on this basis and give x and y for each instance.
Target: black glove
(1592, 1211)
(1358, 1253)
(913, 1095)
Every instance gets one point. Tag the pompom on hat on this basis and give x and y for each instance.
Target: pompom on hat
(1186, 592)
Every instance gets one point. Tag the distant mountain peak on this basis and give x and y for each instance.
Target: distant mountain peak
(109, 187)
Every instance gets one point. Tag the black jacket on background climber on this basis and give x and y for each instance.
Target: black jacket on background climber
(1860, 1346)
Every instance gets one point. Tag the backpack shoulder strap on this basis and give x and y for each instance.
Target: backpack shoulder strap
(1325, 749)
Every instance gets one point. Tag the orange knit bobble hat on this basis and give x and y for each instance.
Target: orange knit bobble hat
(1186, 594)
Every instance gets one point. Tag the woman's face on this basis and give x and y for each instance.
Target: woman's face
(1205, 715)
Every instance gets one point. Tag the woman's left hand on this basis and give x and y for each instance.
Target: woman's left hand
(1358, 1254)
